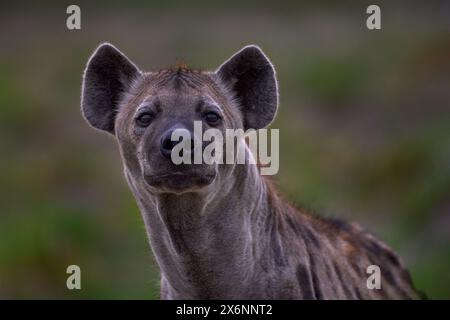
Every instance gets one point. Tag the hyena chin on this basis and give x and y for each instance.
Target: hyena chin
(221, 231)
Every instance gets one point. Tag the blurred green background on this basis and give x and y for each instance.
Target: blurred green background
(364, 121)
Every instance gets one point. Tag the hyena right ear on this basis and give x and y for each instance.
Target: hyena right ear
(108, 75)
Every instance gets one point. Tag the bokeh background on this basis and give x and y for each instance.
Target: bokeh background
(364, 122)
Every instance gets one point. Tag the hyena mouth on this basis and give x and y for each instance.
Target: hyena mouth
(179, 181)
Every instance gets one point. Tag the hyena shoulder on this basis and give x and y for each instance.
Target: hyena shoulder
(355, 246)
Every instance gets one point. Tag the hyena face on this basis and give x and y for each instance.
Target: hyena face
(144, 109)
(165, 102)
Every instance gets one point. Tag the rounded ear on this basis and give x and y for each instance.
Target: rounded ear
(108, 75)
(251, 77)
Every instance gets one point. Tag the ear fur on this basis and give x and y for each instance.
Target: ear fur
(251, 77)
(108, 75)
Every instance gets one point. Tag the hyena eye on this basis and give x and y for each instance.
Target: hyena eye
(144, 119)
(211, 118)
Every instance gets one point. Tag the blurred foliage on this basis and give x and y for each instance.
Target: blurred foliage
(364, 123)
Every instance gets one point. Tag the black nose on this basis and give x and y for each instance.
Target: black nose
(166, 144)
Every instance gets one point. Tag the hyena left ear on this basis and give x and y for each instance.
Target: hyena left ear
(251, 77)
(108, 75)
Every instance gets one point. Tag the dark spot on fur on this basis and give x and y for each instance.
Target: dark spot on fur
(343, 282)
(304, 279)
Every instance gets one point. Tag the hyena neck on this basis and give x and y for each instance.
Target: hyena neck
(197, 238)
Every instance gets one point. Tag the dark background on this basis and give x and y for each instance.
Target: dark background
(364, 123)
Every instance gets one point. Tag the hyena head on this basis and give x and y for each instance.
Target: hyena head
(143, 109)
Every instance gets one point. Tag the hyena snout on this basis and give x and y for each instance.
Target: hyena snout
(170, 165)
(167, 143)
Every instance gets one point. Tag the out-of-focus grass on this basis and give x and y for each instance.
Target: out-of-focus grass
(332, 81)
(363, 122)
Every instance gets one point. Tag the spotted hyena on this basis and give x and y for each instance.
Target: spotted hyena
(221, 231)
